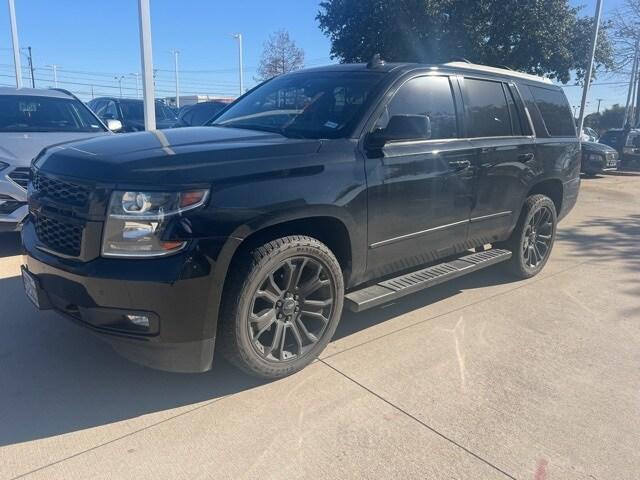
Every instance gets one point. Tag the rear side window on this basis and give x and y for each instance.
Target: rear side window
(487, 109)
(430, 96)
(555, 111)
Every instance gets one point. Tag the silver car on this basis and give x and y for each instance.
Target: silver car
(30, 120)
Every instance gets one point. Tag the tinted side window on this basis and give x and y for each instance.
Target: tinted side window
(555, 111)
(430, 96)
(487, 107)
(110, 110)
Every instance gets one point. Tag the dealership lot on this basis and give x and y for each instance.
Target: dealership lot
(479, 378)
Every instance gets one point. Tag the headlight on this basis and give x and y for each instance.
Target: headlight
(137, 222)
(3, 166)
(595, 157)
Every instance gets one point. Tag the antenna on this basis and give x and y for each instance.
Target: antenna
(376, 61)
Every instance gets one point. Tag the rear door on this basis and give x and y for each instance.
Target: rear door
(499, 131)
(419, 190)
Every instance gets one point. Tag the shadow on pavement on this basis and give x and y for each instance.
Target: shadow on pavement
(10, 244)
(57, 378)
(605, 239)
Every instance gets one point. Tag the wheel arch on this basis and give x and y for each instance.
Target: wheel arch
(550, 187)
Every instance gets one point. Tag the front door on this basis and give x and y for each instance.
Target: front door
(419, 190)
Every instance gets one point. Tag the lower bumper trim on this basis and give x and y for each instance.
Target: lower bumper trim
(184, 357)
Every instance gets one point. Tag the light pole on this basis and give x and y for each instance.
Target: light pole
(587, 80)
(33, 79)
(599, 102)
(238, 36)
(15, 44)
(146, 59)
(55, 74)
(137, 75)
(175, 60)
(119, 79)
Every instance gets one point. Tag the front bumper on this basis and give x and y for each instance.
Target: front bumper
(175, 293)
(593, 165)
(11, 194)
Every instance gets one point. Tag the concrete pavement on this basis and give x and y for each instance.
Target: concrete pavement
(480, 378)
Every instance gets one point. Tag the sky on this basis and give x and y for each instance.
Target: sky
(94, 41)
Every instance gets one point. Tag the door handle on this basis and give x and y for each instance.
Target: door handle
(459, 164)
(525, 157)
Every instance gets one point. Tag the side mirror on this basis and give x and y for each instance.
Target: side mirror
(402, 127)
(114, 125)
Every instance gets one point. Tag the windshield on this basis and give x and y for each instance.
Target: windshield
(28, 113)
(133, 110)
(309, 105)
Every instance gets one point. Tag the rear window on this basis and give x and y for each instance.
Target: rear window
(488, 109)
(555, 111)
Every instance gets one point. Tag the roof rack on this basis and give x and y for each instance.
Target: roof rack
(498, 70)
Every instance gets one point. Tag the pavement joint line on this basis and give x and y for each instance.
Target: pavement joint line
(416, 419)
(473, 304)
(114, 440)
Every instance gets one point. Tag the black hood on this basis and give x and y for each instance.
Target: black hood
(175, 156)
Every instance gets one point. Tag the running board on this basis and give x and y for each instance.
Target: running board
(395, 288)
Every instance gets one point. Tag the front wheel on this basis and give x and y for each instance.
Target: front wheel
(282, 306)
(532, 240)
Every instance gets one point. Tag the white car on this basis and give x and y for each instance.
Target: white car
(30, 120)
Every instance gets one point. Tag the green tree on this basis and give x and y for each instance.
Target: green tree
(543, 37)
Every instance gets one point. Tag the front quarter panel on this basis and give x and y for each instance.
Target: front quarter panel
(327, 183)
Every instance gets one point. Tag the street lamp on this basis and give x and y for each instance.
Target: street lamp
(238, 36)
(15, 44)
(55, 74)
(119, 79)
(137, 75)
(175, 54)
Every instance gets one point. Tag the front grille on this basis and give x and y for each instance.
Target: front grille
(59, 236)
(21, 176)
(62, 191)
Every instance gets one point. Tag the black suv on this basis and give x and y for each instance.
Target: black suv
(348, 185)
(130, 112)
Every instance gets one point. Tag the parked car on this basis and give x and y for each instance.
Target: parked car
(199, 113)
(341, 186)
(627, 143)
(31, 119)
(598, 158)
(131, 112)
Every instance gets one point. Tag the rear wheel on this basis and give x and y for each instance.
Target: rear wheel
(282, 307)
(532, 240)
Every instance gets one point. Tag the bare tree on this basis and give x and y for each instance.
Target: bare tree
(626, 32)
(279, 55)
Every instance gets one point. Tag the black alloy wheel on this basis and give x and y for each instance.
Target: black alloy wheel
(291, 309)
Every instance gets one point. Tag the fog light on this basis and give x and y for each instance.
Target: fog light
(139, 320)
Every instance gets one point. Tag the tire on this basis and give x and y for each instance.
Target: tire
(528, 261)
(282, 306)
